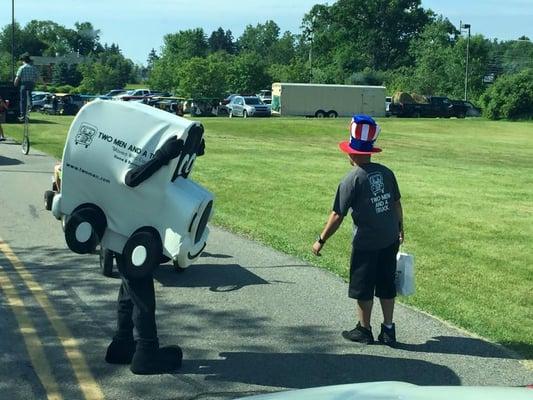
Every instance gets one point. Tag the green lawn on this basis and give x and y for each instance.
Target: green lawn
(467, 188)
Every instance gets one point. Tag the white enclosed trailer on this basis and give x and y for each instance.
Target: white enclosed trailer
(318, 100)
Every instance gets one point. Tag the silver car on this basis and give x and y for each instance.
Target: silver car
(248, 106)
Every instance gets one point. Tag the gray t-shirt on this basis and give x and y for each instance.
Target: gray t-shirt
(370, 190)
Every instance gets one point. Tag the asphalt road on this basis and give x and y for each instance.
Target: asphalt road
(249, 319)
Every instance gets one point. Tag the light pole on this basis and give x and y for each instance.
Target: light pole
(464, 27)
(12, 40)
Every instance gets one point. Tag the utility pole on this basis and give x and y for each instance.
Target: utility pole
(466, 26)
(12, 40)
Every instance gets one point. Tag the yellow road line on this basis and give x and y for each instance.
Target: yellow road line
(34, 345)
(91, 390)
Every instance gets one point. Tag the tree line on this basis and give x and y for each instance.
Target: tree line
(398, 44)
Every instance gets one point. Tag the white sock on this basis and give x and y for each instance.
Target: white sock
(388, 326)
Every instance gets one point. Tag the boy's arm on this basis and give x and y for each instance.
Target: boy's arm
(399, 212)
(333, 223)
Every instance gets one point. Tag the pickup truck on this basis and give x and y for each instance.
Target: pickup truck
(436, 107)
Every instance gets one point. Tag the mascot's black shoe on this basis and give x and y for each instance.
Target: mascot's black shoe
(120, 351)
(156, 361)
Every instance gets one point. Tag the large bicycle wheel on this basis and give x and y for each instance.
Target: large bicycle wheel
(25, 145)
(26, 139)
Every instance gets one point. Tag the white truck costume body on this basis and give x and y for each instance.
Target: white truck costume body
(105, 141)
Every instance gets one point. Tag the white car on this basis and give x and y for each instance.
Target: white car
(125, 184)
(399, 391)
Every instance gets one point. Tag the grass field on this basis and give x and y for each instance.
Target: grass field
(467, 193)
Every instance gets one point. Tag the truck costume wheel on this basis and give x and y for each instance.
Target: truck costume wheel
(141, 255)
(106, 261)
(83, 230)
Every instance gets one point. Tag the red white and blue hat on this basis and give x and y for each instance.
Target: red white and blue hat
(363, 133)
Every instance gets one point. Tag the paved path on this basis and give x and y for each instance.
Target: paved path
(250, 320)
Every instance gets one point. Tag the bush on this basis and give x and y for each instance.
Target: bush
(64, 89)
(510, 97)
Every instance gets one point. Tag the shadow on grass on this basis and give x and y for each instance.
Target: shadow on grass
(468, 346)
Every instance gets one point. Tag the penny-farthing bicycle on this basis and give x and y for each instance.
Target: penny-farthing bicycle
(25, 145)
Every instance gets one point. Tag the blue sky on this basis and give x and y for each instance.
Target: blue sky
(138, 26)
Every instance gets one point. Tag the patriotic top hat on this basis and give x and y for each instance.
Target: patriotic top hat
(363, 133)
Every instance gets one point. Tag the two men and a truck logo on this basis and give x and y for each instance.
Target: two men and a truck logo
(85, 134)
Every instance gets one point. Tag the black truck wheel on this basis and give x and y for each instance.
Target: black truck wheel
(83, 230)
(140, 256)
(106, 261)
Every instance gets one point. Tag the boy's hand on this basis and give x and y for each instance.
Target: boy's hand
(316, 248)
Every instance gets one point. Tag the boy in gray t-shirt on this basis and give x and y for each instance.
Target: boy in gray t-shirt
(371, 191)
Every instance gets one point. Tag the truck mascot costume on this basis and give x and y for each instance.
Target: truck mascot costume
(124, 186)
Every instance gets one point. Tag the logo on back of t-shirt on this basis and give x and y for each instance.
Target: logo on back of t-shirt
(381, 199)
(376, 183)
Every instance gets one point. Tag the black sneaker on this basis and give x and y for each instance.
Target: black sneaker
(388, 336)
(359, 334)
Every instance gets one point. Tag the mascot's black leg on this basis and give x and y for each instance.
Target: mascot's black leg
(149, 358)
(136, 307)
(121, 349)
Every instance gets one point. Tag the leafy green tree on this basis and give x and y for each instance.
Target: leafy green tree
(24, 42)
(152, 58)
(297, 71)
(510, 97)
(439, 68)
(54, 36)
(164, 74)
(248, 74)
(203, 77)
(259, 39)
(516, 55)
(110, 70)
(85, 39)
(355, 34)
(367, 77)
(5, 66)
(221, 40)
(60, 74)
(185, 45)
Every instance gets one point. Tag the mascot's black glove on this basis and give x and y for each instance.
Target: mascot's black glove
(170, 149)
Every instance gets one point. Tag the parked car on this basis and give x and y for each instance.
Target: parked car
(248, 106)
(63, 104)
(134, 94)
(223, 105)
(171, 104)
(112, 93)
(38, 100)
(265, 96)
(203, 107)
